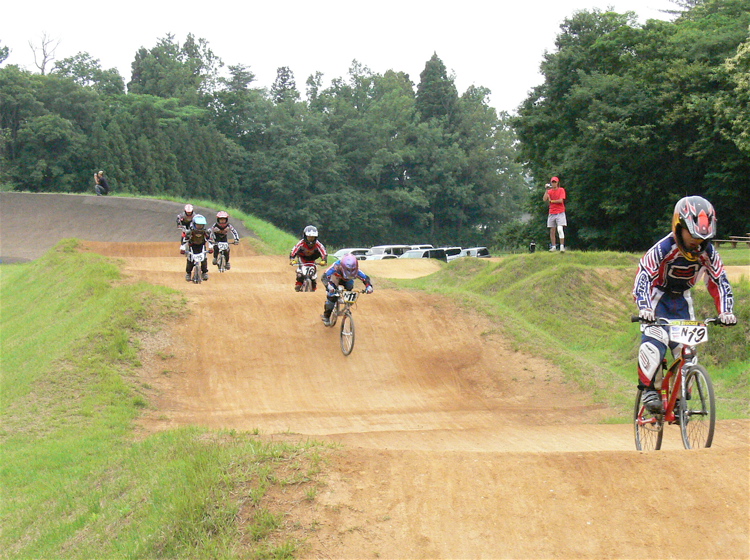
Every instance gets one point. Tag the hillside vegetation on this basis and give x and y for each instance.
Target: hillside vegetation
(575, 310)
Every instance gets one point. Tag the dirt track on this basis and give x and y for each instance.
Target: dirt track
(456, 446)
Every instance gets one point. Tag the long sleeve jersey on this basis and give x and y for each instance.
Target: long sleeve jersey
(221, 233)
(664, 268)
(307, 253)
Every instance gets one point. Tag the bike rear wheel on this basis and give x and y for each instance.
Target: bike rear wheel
(698, 409)
(347, 333)
(649, 428)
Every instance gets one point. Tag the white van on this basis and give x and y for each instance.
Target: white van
(425, 254)
(386, 252)
(480, 252)
(452, 252)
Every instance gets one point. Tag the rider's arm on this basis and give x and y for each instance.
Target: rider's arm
(234, 233)
(717, 282)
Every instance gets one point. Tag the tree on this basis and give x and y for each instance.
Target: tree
(44, 54)
(284, 87)
(86, 71)
(436, 93)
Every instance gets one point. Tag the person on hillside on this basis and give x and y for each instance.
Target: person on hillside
(307, 250)
(185, 220)
(221, 230)
(666, 274)
(342, 273)
(101, 185)
(197, 238)
(556, 220)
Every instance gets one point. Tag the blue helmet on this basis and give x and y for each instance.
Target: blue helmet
(199, 220)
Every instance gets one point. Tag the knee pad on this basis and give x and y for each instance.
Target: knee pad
(649, 358)
(560, 231)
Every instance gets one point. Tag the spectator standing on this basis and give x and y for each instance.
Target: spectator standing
(556, 220)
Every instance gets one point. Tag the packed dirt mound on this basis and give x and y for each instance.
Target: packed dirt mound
(455, 444)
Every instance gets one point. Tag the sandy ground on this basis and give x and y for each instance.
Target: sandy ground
(454, 444)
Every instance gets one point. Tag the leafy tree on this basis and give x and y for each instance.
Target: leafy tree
(85, 71)
(437, 97)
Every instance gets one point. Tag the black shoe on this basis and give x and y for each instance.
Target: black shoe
(205, 276)
(652, 401)
(326, 320)
(229, 266)
(187, 277)
(297, 288)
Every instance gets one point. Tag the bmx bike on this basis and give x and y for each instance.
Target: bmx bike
(196, 276)
(345, 299)
(685, 387)
(309, 273)
(222, 248)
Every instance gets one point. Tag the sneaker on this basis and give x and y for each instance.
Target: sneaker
(205, 276)
(552, 248)
(326, 320)
(187, 277)
(213, 262)
(562, 248)
(652, 401)
(297, 287)
(229, 266)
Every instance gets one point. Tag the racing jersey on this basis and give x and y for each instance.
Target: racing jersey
(664, 268)
(198, 236)
(220, 233)
(183, 220)
(307, 253)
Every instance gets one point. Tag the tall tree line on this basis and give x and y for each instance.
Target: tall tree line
(633, 117)
(370, 159)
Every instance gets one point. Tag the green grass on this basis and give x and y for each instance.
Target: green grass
(76, 482)
(575, 309)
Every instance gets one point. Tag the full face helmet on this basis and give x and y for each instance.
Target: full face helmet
(311, 235)
(349, 266)
(222, 218)
(188, 210)
(696, 215)
(199, 221)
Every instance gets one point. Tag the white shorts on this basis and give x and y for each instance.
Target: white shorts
(554, 220)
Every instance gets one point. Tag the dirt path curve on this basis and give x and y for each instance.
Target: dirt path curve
(456, 446)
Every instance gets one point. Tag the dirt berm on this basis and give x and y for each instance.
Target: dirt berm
(455, 445)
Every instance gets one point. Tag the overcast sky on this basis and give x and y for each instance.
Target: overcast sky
(497, 44)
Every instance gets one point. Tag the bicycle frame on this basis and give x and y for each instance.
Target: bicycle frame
(684, 376)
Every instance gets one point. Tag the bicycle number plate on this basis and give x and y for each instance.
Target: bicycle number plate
(689, 335)
(350, 297)
(198, 257)
(223, 246)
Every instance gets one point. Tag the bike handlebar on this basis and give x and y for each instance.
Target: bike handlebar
(661, 321)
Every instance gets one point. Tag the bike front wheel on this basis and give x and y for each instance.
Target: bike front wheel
(221, 262)
(649, 428)
(347, 333)
(698, 414)
(197, 276)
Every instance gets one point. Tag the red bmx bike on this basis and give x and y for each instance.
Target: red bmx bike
(686, 391)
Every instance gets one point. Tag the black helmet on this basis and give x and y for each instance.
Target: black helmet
(698, 217)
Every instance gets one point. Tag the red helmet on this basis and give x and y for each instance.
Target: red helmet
(349, 266)
(222, 216)
(698, 217)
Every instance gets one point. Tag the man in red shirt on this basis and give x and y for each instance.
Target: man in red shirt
(556, 220)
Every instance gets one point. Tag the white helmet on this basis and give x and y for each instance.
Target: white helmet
(311, 235)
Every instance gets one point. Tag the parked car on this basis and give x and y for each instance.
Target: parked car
(425, 254)
(359, 252)
(452, 252)
(481, 252)
(424, 246)
(380, 251)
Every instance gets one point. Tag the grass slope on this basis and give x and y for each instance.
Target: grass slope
(75, 481)
(574, 309)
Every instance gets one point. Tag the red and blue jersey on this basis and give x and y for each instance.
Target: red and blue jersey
(306, 253)
(335, 273)
(664, 269)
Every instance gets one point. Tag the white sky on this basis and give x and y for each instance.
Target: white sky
(492, 43)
